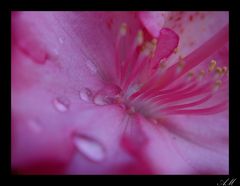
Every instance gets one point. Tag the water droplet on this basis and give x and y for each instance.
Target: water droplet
(91, 148)
(100, 99)
(92, 67)
(61, 104)
(35, 126)
(107, 95)
(86, 94)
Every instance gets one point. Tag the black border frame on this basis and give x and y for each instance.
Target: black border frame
(234, 38)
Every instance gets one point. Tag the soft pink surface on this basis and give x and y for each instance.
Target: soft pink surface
(57, 54)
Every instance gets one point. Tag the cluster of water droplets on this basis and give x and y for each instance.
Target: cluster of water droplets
(105, 96)
(89, 147)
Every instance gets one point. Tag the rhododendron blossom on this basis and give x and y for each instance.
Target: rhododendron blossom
(119, 92)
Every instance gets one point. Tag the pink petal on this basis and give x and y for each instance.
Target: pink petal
(167, 42)
(189, 146)
(60, 61)
(208, 139)
(60, 66)
(195, 28)
(153, 21)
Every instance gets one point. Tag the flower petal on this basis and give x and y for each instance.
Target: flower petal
(190, 145)
(194, 28)
(153, 21)
(69, 55)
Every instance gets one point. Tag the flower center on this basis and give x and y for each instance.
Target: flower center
(145, 83)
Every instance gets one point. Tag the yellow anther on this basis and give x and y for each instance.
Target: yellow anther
(224, 70)
(140, 38)
(218, 83)
(212, 65)
(163, 60)
(123, 29)
(162, 63)
(219, 70)
(202, 73)
(154, 41)
(118, 99)
(146, 49)
(131, 110)
(180, 58)
(181, 62)
(149, 48)
(190, 74)
(176, 50)
(154, 46)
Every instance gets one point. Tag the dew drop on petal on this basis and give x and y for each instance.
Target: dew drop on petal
(107, 95)
(89, 147)
(100, 99)
(86, 94)
(62, 104)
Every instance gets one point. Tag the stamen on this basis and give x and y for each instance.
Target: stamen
(176, 50)
(162, 65)
(212, 65)
(148, 48)
(181, 64)
(123, 29)
(195, 103)
(218, 73)
(133, 73)
(118, 59)
(154, 46)
(219, 70)
(217, 85)
(184, 94)
(190, 75)
(157, 96)
(202, 73)
(151, 93)
(205, 111)
(224, 70)
(218, 82)
(129, 62)
(196, 57)
(145, 59)
(131, 110)
(140, 38)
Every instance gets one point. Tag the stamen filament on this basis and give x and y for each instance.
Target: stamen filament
(192, 60)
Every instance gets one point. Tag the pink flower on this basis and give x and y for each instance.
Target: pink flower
(120, 92)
